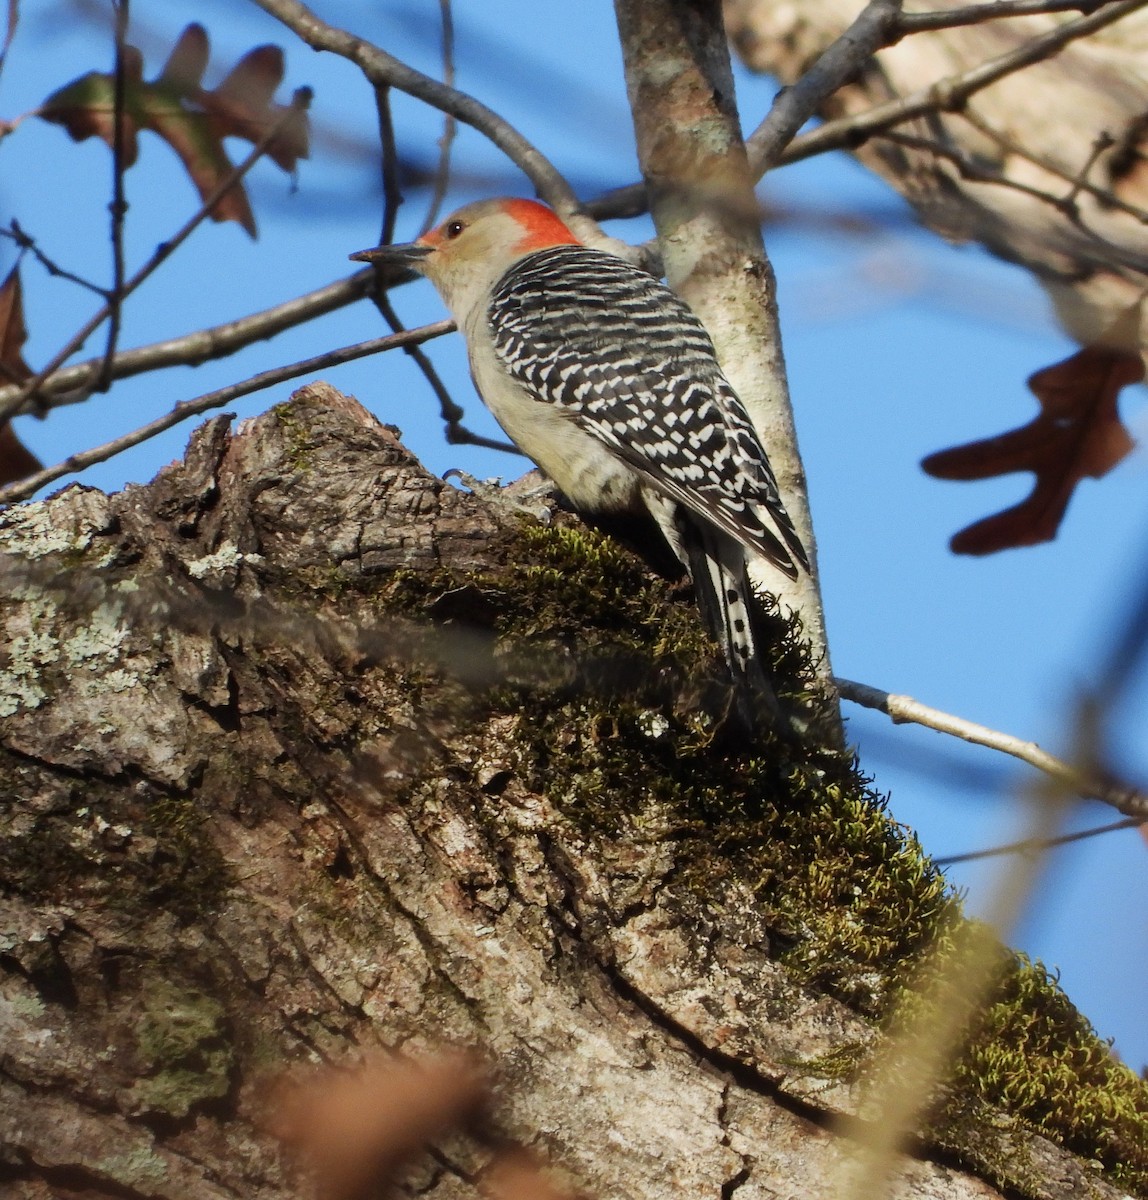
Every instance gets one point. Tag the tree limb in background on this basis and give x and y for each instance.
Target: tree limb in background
(773, 142)
(793, 106)
(217, 399)
(298, 106)
(901, 709)
(384, 70)
(1037, 153)
(949, 94)
(73, 385)
(1077, 180)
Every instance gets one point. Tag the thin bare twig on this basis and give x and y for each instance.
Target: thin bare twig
(25, 241)
(299, 103)
(1103, 141)
(793, 106)
(901, 709)
(119, 205)
(449, 125)
(73, 385)
(9, 33)
(1097, 250)
(1040, 847)
(392, 195)
(971, 169)
(1077, 182)
(952, 93)
(871, 30)
(1100, 251)
(976, 14)
(847, 54)
(217, 399)
(452, 413)
(384, 70)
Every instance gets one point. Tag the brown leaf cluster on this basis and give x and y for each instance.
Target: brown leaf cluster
(192, 119)
(16, 461)
(1077, 433)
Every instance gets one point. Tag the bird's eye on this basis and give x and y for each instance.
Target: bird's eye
(454, 228)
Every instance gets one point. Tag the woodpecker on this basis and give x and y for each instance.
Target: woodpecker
(610, 383)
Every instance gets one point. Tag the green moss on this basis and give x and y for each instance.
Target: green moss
(1035, 1056)
(139, 1170)
(849, 899)
(185, 1055)
(298, 436)
(631, 708)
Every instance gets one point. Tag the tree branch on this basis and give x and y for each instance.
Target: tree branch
(119, 205)
(384, 70)
(217, 399)
(901, 709)
(951, 93)
(976, 14)
(162, 252)
(72, 385)
(1077, 182)
(876, 27)
(869, 33)
(1029, 846)
(451, 412)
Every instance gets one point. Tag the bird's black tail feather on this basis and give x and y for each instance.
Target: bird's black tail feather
(717, 565)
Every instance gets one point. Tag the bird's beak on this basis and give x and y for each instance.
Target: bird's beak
(406, 254)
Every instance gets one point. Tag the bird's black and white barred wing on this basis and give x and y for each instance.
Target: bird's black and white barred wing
(620, 354)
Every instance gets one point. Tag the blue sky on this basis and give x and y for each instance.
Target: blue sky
(897, 345)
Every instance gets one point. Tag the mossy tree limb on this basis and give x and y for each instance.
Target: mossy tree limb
(303, 751)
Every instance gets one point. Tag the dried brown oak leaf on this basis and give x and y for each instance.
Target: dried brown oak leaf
(16, 462)
(1078, 432)
(515, 1174)
(356, 1129)
(191, 119)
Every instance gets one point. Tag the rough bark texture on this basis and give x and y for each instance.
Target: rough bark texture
(244, 824)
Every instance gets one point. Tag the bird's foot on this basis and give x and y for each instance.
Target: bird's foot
(531, 496)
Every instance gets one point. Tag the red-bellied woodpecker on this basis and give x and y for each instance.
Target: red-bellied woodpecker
(608, 381)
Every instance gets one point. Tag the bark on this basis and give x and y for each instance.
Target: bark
(257, 811)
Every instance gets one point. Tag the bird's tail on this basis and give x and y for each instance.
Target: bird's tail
(717, 565)
(716, 562)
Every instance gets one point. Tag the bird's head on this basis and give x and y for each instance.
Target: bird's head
(466, 254)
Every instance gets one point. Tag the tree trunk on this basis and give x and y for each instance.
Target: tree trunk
(305, 752)
(680, 85)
